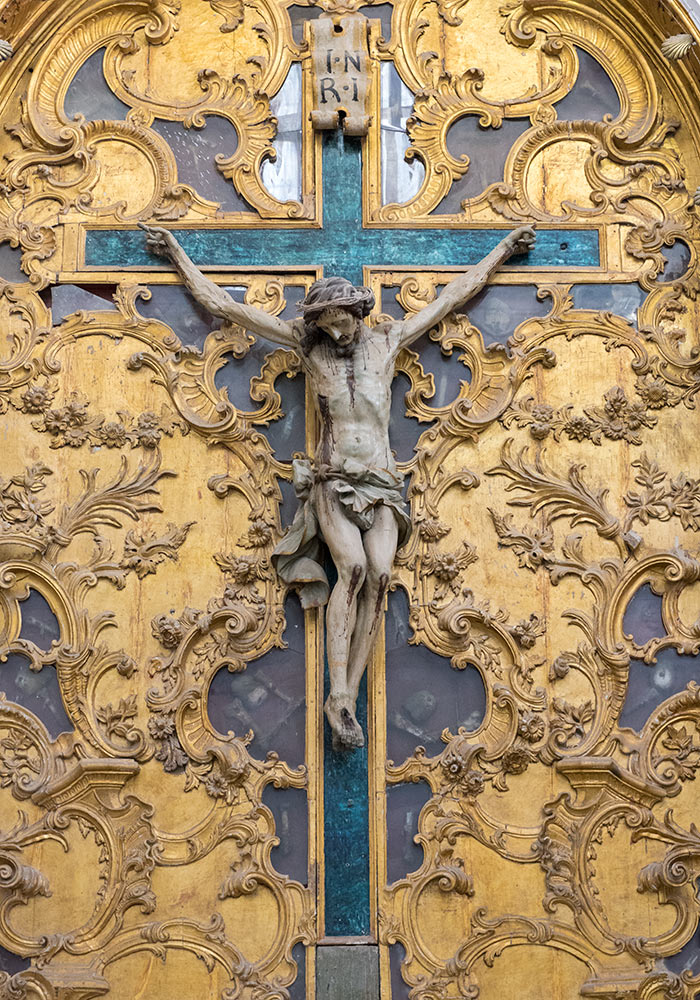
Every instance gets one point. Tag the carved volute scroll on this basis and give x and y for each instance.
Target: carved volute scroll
(530, 791)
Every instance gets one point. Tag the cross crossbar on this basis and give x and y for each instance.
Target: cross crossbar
(342, 246)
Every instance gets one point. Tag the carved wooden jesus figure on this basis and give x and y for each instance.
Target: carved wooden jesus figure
(350, 492)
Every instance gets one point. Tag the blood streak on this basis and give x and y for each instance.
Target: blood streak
(327, 436)
(350, 378)
(354, 580)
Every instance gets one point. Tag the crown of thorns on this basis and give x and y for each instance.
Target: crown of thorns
(326, 293)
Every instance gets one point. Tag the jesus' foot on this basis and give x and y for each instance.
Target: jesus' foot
(347, 732)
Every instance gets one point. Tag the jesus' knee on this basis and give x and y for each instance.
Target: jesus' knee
(351, 576)
(378, 580)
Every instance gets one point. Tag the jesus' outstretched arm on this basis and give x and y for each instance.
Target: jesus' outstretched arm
(214, 299)
(464, 287)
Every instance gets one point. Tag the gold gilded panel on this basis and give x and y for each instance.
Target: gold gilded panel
(146, 845)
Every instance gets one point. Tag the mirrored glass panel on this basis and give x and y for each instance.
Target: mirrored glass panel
(68, 299)
(687, 958)
(400, 180)
(173, 305)
(383, 13)
(487, 149)
(621, 300)
(282, 176)
(593, 95)
(651, 683)
(89, 95)
(498, 309)
(399, 989)
(297, 991)
(10, 264)
(642, 619)
(289, 501)
(288, 434)
(11, 963)
(403, 805)
(288, 806)
(268, 697)
(424, 693)
(299, 14)
(195, 151)
(36, 690)
(677, 258)
(404, 431)
(39, 623)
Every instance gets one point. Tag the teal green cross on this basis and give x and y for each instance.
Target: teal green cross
(342, 247)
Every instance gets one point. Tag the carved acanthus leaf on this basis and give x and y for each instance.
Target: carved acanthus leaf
(232, 12)
(542, 489)
(145, 549)
(533, 546)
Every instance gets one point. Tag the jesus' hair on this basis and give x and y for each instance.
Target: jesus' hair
(328, 293)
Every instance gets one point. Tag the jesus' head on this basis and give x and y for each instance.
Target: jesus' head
(335, 308)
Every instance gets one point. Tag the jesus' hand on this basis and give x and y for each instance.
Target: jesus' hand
(521, 240)
(160, 241)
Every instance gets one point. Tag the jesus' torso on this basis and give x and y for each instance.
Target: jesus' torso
(353, 397)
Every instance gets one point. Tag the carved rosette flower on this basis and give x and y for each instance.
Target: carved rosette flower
(531, 726)
(244, 570)
(258, 535)
(473, 783)
(620, 419)
(431, 529)
(223, 777)
(35, 398)
(167, 630)
(75, 437)
(655, 392)
(578, 428)
(147, 430)
(169, 750)
(161, 726)
(456, 767)
(527, 631)
(243, 573)
(542, 415)
(516, 760)
(56, 421)
(446, 567)
(453, 766)
(216, 785)
(113, 434)
(68, 425)
(615, 402)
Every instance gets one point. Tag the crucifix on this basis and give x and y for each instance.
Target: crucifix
(349, 491)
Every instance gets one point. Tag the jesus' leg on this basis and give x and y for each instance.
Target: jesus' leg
(344, 541)
(380, 548)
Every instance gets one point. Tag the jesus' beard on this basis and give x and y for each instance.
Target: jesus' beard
(345, 350)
